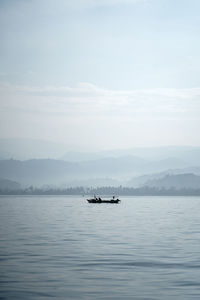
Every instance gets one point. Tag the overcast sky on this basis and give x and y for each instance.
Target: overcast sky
(100, 74)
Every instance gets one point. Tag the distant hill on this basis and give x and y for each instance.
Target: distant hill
(74, 156)
(93, 182)
(38, 171)
(179, 181)
(51, 171)
(25, 149)
(9, 185)
(141, 180)
(116, 166)
(188, 154)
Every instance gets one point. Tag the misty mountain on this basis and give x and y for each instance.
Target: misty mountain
(24, 149)
(38, 171)
(116, 166)
(179, 181)
(50, 171)
(194, 170)
(10, 185)
(165, 164)
(190, 155)
(127, 165)
(74, 156)
(93, 182)
(142, 180)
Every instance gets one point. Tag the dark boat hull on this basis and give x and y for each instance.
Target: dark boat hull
(112, 201)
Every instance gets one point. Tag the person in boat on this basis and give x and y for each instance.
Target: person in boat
(99, 199)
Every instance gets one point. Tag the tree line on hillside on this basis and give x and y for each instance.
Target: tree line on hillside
(106, 190)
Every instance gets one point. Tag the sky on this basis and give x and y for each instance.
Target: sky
(100, 74)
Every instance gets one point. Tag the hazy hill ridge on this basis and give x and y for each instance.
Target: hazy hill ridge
(24, 149)
(178, 181)
(50, 171)
(38, 171)
(94, 169)
(6, 184)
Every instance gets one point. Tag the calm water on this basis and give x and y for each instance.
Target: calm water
(64, 248)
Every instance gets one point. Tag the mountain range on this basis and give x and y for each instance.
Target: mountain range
(127, 170)
(179, 181)
(26, 149)
(53, 164)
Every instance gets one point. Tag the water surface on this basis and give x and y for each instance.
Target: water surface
(64, 248)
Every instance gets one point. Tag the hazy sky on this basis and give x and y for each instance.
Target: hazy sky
(100, 74)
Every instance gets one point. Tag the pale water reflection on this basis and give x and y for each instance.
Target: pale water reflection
(65, 248)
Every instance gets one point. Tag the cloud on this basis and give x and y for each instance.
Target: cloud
(87, 99)
(86, 113)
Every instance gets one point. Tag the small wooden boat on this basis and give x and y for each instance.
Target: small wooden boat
(99, 200)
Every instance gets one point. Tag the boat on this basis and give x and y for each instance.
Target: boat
(99, 200)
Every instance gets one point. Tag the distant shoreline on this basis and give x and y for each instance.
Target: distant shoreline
(108, 191)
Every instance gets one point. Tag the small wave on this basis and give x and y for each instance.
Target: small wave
(142, 264)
